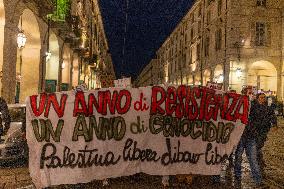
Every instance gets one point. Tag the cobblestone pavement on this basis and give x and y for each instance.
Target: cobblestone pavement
(274, 156)
(16, 176)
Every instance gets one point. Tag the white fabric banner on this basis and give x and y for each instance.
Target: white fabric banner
(76, 137)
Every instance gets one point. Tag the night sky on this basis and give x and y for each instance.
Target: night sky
(149, 23)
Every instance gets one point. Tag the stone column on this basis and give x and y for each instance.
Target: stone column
(9, 62)
(44, 41)
(279, 82)
(226, 74)
(42, 69)
(13, 10)
(71, 70)
(61, 51)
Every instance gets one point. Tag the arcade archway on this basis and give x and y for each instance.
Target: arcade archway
(52, 64)
(263, 75)
(28, 57)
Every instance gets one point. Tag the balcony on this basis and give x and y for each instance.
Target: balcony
(44, 7)
(67, 29)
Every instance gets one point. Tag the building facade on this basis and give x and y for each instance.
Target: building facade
(148, 75)
(52, 46)
(236, 43)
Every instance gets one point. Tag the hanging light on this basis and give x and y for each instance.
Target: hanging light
(48, 55)
(21, 38)
(238, 72)
(63, 65)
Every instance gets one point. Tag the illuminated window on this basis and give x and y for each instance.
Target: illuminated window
(260, 34)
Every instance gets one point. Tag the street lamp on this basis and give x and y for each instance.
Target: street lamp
(238, 72)
(21, 41)
(48, 55)
(63, 65)
(238, 45)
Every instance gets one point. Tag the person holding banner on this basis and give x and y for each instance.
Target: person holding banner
(252, 140)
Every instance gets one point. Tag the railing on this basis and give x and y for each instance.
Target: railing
(44, 7)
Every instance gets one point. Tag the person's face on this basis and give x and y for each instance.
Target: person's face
(261, 99)
(249, 92)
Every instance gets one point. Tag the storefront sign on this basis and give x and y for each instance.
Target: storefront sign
(76, 137)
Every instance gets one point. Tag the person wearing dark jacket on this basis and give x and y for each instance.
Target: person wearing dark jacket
(4, 117)
(260, 121)
(262, 118)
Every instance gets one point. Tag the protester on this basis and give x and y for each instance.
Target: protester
(5, 117)
(263, 117)
(260, 120)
